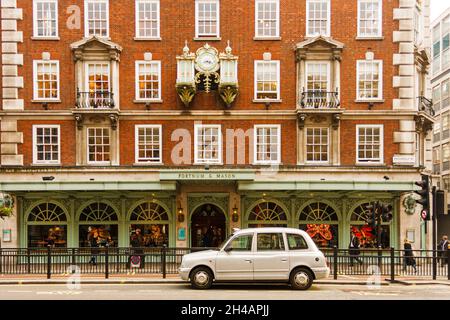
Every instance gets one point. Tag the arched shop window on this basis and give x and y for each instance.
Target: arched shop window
(267, 214)
(367, 235)
(153, 221)
(321, 222)
(98, 223)
(47, 226)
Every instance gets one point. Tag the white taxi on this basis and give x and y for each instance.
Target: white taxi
(262, 254)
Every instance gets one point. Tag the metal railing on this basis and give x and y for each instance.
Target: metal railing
(163, 261)
(426, 105)
(95, 100)
(318, 99)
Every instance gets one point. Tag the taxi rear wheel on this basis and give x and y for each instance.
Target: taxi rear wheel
(201, 278)
(301, 279)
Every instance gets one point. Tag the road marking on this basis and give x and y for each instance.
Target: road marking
(150, 291)
(19, 291)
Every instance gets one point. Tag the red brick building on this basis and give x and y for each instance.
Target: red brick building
(188, 115)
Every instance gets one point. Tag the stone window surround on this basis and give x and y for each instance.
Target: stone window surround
(328, 145)
(380, 82)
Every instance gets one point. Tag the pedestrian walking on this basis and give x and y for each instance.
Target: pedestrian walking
(93, 244)
(137, 242)
(408, 259)
(353, 249)
(443, 249)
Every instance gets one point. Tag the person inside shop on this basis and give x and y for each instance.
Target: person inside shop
(408, 259)
(208, 238)
(137, 242)
(443, 250)
(93, 243)
(51, 238)
(353, 249)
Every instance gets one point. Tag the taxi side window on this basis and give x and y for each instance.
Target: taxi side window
(296, 242)
(241, 243)
(270, 242)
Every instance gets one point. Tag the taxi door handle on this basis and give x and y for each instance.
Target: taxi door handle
(247, 260)
(283, 260)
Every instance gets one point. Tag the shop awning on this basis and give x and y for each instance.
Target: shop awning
(87, 186)
(327, 186)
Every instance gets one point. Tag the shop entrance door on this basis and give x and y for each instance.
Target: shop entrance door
(208, 227)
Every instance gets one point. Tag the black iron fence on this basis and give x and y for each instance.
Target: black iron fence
(108, 261)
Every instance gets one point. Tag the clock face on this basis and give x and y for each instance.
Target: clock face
(207, 61)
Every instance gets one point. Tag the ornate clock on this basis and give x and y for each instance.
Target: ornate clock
(207, 60)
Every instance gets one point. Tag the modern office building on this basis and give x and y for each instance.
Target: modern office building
(440, 83)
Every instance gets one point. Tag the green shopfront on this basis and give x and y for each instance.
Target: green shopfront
(200, 209)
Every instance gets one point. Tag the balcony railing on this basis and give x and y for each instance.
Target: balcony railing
(95, 100)
(426, 105)
(320, 100)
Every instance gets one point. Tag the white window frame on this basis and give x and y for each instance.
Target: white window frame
(35, 82)
(196, 159)
(46, 162)
(307, 67)
(137, 95)
(328, 146)
(277, 28)
(380, 83)
(380, 18)
(328, 32)
(158, 29)
(145, 161)
(35, 24)
(197, 26)
(89, 63)
(87, 147)
(379, 162)
(255, 144)
(256, 80)
(86, 17)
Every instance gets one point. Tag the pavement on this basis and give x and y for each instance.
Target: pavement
(175, 279)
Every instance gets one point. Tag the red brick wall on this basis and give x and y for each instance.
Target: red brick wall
(127, 138)
(237, 25)
(67, 136)
(348, 140)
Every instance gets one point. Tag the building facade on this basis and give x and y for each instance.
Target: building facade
(188, 118)
(440, 83)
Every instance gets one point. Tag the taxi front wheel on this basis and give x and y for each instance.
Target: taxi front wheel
(201, 278)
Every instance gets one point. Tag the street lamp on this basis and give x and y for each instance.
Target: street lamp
(180, 214)
(235, 215)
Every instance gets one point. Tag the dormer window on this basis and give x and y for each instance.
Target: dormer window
(96, 15)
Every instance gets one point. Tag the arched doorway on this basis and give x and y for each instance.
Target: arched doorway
(208, 226)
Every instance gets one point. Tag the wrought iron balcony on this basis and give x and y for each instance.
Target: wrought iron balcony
(426, 106)
(95, 100)
(318, 99)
